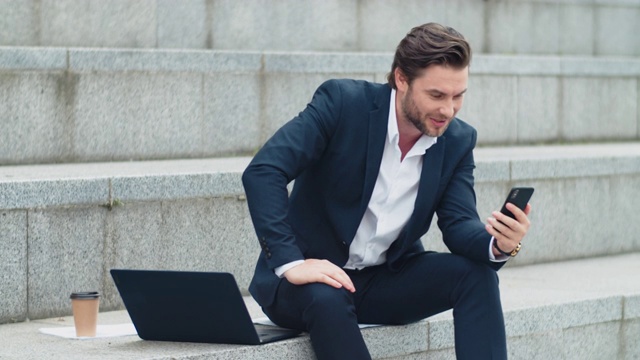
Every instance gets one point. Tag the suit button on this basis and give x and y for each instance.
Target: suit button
(268, 255)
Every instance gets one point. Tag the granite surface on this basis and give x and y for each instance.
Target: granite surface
(578, 314)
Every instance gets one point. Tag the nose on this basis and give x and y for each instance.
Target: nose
(447, 110)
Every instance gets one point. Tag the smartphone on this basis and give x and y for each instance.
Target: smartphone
(519, 196)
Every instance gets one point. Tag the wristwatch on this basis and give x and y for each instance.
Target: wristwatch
(512, 253)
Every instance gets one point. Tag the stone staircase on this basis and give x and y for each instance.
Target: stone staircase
(127, 124)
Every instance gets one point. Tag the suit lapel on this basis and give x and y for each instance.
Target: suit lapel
(429, 181)
(378, 123)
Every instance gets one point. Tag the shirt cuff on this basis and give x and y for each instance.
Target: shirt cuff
(492, 257)
(280, 270)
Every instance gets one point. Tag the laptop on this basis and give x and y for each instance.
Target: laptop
(204, 307)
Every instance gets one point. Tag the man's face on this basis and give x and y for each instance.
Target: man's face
(432, 100)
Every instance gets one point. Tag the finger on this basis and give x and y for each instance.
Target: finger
(493, 232)
(505, 236)
(520, 216)
(329, 281)
(336, 273)
(503, 224)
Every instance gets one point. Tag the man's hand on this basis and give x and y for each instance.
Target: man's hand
(323, 271)
(509, 232)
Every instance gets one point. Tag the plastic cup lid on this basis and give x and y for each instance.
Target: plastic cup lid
(87, 295)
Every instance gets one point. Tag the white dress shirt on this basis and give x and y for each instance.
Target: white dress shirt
(392, 201)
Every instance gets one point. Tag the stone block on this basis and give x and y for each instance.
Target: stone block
(98, 23)
(127, 116)
(598, 341)
(189, 235)
(65, 249)
(624, 200)
(209, 235)
(547, 240)
(446, 354)
(541, 346)
(13, 266)
(35, 117)
(615, 29)
(594, 109)
(554, 317)
(630, 343)
(381, 77)
(619, 67)
(506, 65)
(488, 106)
(390, 341)
(441, 332)
(491, 170)
(133, 237)
(522, 28)
(632, 307)
(284, 25)
(182, 24)
(162, 61)
(467, 17)
(286, 95)
(232, 118)
(27, 58)
(384, 23)
(177, 186)
(538, 108)
(328, 63)
(18, 23)
(33, 194)
(576, 29)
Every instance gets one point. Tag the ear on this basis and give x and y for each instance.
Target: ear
(401, 80)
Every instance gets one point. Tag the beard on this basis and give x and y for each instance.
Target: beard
(412, 113)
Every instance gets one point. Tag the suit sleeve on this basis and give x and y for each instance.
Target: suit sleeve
(290, 151)
(458, 219)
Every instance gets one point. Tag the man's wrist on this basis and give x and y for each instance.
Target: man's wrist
(512, 253)
(280, 270)
(494, 255)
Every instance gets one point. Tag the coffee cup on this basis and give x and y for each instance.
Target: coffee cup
(85, 312)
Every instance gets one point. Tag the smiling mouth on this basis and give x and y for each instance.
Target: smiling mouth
(438, 122)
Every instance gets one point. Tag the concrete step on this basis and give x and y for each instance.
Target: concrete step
(582, 309)
(64, 226)
(602, 28)
(61, 105)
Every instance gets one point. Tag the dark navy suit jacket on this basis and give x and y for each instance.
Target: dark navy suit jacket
(333, 150)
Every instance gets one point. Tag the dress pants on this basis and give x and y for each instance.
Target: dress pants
(427, 284)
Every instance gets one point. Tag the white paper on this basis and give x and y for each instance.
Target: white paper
(102, 331)
(266, 321)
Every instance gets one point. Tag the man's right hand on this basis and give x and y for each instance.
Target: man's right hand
(323, 271)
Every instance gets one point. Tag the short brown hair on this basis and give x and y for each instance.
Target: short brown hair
(426, 45)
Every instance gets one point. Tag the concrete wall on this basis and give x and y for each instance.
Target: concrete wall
(79, 105)
(561, 27)
(191, 215)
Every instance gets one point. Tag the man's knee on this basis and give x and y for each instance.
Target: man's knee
(323, 304)
(324, 297)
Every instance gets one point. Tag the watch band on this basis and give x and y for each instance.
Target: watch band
(512, 253)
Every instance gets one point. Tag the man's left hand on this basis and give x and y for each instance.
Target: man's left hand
(508, 232)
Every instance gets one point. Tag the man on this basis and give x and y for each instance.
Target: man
(372, 163)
